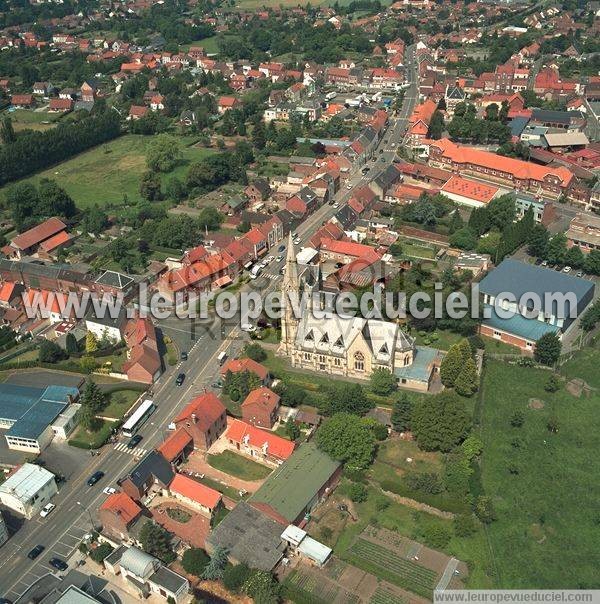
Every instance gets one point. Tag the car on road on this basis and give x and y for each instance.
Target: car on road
(47, 509)
(271, 258)
(365, 169)
(184, 356)
(109, 490)
(35, 552)
(281, 248)
(134, 442)
(294, 235)
(279, 258)
(282, 270)
(248, 327)
(180, 379)
(94, 478)
(58, 564)
(349, 186)
(297, 241)
(336, 205)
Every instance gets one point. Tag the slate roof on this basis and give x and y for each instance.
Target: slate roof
(153, 464)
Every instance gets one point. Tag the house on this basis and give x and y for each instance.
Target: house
(258, 444)
(28, 489)
(304, 546)
(195, 495)
(11, 294)
(304, 202)
(28, 243)
(519, 322)
(107, 328)
(33, 416)
(225, 103)
(60, 105)
(137, 111)
(151, 474)
(258, 190)
(143, 357)
(584, 232)
(290, 493)
(245, 364)
(88, 91)
(260, 408)
(250, 537)
(41, 88)
(146, 575)
(177, 446)
(469, 192)
(22, 101)
(204, 418)
(117, 514)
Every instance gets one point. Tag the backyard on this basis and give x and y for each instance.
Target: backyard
(540, 460)
(107, 173)
(238, 466)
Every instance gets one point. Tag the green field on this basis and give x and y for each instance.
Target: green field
(544, 485)
(119, 402)
(105, 174)
(23, 119)
(238, 466)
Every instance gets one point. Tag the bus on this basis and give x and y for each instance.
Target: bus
(138, 418)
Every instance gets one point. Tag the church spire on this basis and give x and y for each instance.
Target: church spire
(290, 280)
(290, 287)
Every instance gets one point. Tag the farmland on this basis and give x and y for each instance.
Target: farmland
(110, 173)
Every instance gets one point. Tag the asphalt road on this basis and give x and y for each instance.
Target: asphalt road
(61, 532)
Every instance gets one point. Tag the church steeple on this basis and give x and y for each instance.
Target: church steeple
(290, 288)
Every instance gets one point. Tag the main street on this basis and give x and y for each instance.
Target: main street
(76, 503)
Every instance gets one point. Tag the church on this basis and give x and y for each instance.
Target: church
(348, 346)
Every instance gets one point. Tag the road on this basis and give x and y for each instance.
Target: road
(62, 531)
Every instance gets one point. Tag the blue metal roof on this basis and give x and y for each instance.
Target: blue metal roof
(420, 369)
(530, 329)
(32, 409)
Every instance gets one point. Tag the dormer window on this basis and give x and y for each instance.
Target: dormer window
(339, 343)
(325, 339)
(309, 336)
(384, 350)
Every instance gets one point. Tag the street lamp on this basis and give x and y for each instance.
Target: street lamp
(89, 514)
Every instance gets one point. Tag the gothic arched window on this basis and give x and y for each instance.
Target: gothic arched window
(359, 361)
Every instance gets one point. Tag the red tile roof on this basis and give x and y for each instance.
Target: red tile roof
(39, 233)
(262, 397)
(237, 365)
(477, 191)
(175, 444)
(278, 447)
(6, 291)
(55, 241)
(207, 408)
(200, 493)
(123, 505)
(60, 104)
(349, 248)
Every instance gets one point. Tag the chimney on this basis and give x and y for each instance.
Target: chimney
(194, 418)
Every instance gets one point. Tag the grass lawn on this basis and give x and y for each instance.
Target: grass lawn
(119, 403)
(106, 173)
(91, 440)
(222, 488)
(544, 485)
(417, 251)
(23, 119)
(238, 466)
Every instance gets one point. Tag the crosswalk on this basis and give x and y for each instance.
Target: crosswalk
(136, 452)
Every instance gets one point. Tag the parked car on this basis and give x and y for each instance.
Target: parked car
(336, 205)
(94, 478)
(180, 379)
(248, 327)
(35, 552)
(134, 441)
(58, 564)
(279, 258)
(580, 273)
(297, 240)
(184, 356)
(545, 263)
(349, 186)
(109, 490)
(47, 509)
(567, 269)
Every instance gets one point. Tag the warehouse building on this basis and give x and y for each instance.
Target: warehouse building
(28, 489)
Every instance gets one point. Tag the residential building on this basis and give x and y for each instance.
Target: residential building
(177, 446)
(258, 444)
(204, 418)
(28, 489)
(107, 328)
(245, 364)
(584, 232)
(143, 357)
(151, 474)
(195, 495)
(519, 322)
(29, 242)
(470, 193)
(260, 408)
(147, 575)
(117, 514)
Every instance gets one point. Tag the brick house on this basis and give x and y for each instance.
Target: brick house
(204, 418)
(260, 408)
(118, 514)
(195, 495)
(151, 474)
(177, 446)
(258, 190)
(246, 364)
(253, 442)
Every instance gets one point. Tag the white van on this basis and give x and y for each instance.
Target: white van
(222, 357)
(255, 272)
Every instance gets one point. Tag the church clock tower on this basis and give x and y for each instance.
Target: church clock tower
(290, 287)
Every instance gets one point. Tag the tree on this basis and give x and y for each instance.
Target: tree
(102, 551)
(556, 249)
(472, 447)
(150, 186)
(71, 345)
(94, 220)
(156, 541)
(51, 352)
(91, 342)
(93, 397)
(537, 241)
(553, 384)
(383, 381)
(574, 257)
(454, 361)
(88, 419)
(235, 576)
(347, 397)
(592, 262)
(347, 438)
(292, 430)
(440, 422)
(194, 561)
(464, 238)
(547, 349)
(464, 525)
(467, 382)
(175, 189)
(357, 492)
(401, 413)
(163, 153)
(255, 352)
(262, 587)
(239, 384)
(216, 567)
(484, 509)
(436, 125)
(7, 132)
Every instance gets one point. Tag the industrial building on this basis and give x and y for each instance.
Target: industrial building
(28, 489)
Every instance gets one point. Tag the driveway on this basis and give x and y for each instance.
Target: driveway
(193, 532)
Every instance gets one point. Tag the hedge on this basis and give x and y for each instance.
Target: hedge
(439, 501)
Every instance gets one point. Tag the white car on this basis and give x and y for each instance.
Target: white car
(109, 490)
(567, 269)
(349, 186)
(297, 240)
(248, 327)
(47, 509)
(271, 258)
(279, 258)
